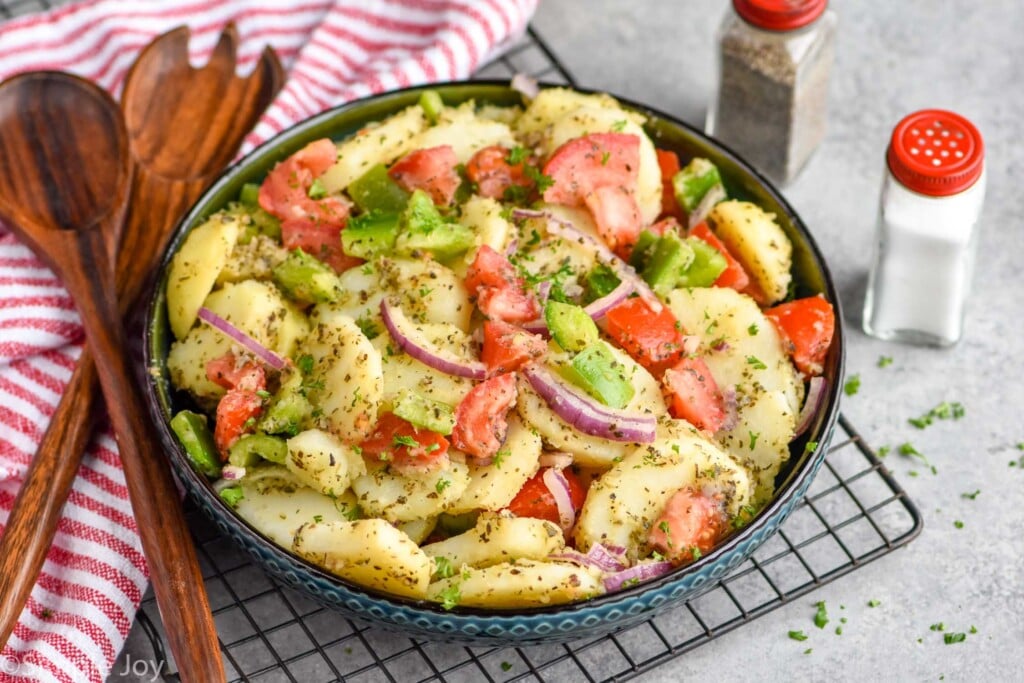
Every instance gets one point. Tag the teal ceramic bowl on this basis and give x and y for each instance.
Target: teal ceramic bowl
(477, 626)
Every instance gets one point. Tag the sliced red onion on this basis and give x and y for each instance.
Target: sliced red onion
(813, 401)
(616, 550)
(598, 308)
(636, 573)
(512, 248)
(587, 416)
(525, 85)
(412, 341)
(232, 472)
(543, 291)
(221, 325)
(703, 208)
(721, 345)
(558, 461)
(558, 485)
(605, 559)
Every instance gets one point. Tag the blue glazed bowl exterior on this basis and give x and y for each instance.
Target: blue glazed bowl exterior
(495, 627)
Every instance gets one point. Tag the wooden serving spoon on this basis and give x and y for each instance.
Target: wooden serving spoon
(65, 169)
(171, 172)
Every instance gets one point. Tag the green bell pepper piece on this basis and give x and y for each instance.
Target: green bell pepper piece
(305, 278)
(423, 228)
(432, 105)
(249, 449)
(195, 437)
(708, 263)
(376, 191)
(370, 235)
(671, 257)
(693, 181)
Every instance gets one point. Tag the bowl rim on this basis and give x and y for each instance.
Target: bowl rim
(806, 465)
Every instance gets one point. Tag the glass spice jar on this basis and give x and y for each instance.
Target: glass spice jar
(774, 60)
(927, 232)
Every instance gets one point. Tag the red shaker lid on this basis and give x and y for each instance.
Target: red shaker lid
(936, 152)
(779, 15)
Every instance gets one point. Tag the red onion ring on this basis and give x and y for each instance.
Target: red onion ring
(232, 472)
(412, 342)
(221, 325)
(587, 416)
(813, 401)
(638, 572)
(558, 485)
(559, 460)
(596, 309)
(602, 557)
(525, 86)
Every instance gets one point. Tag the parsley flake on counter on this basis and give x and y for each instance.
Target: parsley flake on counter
(884, 451)
(970, 496)
(808, 650)
(839, 630)
(506, 666)
(874, 603)
(884, 361)
(906, 448)
(938, 627)
(852, 385)
(943, 411)
(798, 635)
(951, 638)
(958, 524)
(821, 616)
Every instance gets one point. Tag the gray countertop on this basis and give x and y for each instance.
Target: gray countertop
(893, 58)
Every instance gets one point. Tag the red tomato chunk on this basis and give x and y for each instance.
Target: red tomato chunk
(499, 291)
(481, 420)
(806, 327)
(431, 170)
(690, 526)
(693, 395)
(535, 500)
(409, 449)
(652, 339)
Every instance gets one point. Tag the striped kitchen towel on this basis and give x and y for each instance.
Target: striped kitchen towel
(335, 51)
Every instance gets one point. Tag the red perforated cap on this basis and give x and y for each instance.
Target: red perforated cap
(936, 152)
(779, 15)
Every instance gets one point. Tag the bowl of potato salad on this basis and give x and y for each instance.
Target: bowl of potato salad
(494, 364)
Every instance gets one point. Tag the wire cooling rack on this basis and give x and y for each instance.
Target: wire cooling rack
(854, 513)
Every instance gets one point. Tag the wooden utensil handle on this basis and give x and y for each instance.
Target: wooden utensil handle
(173, 566)
(37, 509)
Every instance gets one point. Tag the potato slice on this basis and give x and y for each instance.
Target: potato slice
(492, 487)
(195, 268)
(523, 583)
(322, 462)
(380, 144)
(369, 552)
(465, 132)
(756, 240)
(398, 498)
(497, 539)
(622, 505)
(552, 104)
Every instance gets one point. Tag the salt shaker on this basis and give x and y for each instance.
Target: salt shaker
(927, 231)
(774, 60)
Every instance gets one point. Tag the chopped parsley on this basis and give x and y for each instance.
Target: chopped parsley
(943, 411)
(752, 330)
(443, 567)
(810, 446)
(808, 650)
(821, 616)
(317, 190)
(958, 524)
(874, 603)
(500, 456)
(839, 630)
(951, 638)
(938, 627)
(695, 553)
(884, 361)
(517, 155)
(974, 629)
(753, 439)
(451, 596)
(798, 635)
(305, 363)
(619, 126)
(852, 385)
(404, 440)
(970, 496)
(542, 181)
(442, 483)
(906, 448)
(884, 451)
(506, 666)
(754, 362)
(369, 327)
(318, 518)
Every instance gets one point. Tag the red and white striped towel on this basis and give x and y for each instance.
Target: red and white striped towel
(334, 50)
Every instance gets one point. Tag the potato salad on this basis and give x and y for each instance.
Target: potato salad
(496, 357)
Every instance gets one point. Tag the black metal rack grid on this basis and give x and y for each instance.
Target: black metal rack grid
(854, 513)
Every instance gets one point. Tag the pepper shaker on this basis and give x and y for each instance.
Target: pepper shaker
(774, 61)
(927, 232)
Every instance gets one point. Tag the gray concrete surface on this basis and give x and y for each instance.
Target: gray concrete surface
(893, 57)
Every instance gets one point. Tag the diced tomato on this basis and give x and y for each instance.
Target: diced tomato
(586, 163)
(616, 215)
(668, 162)
(319, 240)
(507, 347)
(499, 291)
(690, 526)
(806, 327)
(431, 170)
(667, 224)
(535, 500)
(693, 394)
(234, 411)
(734, 275)
(285, 192)
(409, 449)
(654, 340)
(490, 170)
(481, 420)
(226, 372)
